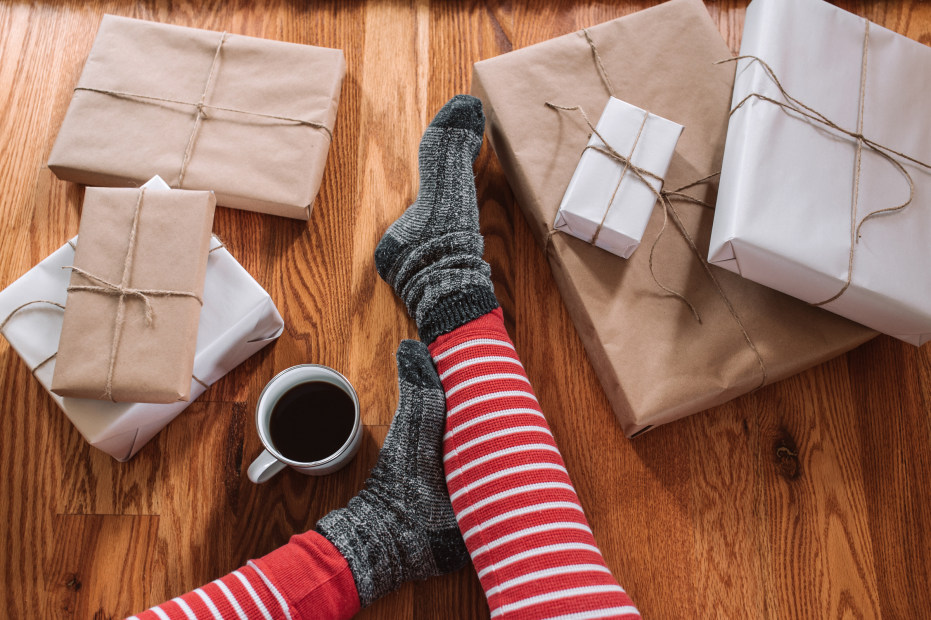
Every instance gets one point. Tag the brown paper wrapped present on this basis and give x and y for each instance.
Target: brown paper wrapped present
(134, 299)
(655, 361)
(250, 119)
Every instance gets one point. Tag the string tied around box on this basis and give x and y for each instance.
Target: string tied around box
(792, 105)
(200, 108)
(221, 245)
(666, 199)
(122, 291)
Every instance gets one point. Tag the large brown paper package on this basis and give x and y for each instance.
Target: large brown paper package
(655, 362)
(152, 361)
(260, 139)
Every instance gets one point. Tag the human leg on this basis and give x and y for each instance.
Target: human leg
(518, 512)
(399, 527)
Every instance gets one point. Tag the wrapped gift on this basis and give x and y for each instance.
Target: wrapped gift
(135, 295)
(238, 319)
(250, 119)
(655, 362)
(613, 190)
(798, 208)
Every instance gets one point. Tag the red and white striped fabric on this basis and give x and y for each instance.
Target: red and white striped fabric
(306, 578)
(240, 594)
(518, 512)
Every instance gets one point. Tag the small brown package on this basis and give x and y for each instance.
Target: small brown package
(134, 299)
(250, 119)
(655, 361)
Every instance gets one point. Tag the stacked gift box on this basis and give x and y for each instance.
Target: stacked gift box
(136, 317)
(667, 333)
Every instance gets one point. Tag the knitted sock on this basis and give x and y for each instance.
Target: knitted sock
(401, 525)
(432, 255)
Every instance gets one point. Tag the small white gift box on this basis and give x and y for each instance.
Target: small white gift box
(607, 203)
(796, 185)
(238, 318)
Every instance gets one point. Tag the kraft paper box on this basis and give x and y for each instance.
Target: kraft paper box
(250, 119)
(655, 362)
(135, 343)
(606, 204)
(238, 319)
(789, 206)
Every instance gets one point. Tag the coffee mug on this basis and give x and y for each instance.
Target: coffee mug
(308, 419)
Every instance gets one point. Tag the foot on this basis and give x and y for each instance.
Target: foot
(432, 255)
(401, 526)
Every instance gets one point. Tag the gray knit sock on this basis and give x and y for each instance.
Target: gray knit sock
(401, 526)
(432, 255)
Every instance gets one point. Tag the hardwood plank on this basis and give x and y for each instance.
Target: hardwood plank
(25, 486)
(822, 562)
(894, 437)
(98, 566)
(391, 117)
(731, 572)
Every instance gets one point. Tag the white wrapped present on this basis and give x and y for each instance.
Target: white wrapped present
(816, 171)
(607, 203)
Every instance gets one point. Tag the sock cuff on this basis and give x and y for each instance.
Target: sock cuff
(455, 310)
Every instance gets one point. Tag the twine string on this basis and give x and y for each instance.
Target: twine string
(668, 208)
(119, 94)
(599, 64)
(627, 165)
(199, 107)
(6, 320)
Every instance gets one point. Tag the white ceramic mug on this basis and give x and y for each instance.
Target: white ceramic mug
(271, 461)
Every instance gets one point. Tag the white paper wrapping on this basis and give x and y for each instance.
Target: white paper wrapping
(238, 318)
(601, 189)
(783, 215)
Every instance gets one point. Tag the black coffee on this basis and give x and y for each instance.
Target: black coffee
(312, 421)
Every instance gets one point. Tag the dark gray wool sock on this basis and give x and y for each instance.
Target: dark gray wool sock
(432, 255)
(401, 526)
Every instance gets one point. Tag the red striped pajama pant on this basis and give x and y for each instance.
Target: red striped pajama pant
(517, 509)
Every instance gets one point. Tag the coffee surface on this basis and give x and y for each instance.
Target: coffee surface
(311, 421)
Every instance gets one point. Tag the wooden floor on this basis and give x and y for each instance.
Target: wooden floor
(807, 499)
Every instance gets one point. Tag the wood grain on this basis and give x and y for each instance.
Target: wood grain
(807, 499)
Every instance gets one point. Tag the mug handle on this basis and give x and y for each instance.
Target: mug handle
(264, 467)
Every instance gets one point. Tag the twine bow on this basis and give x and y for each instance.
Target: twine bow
(201, 107)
